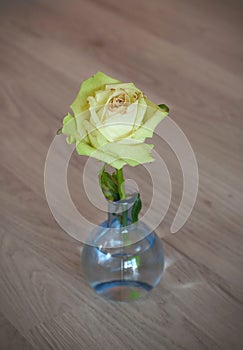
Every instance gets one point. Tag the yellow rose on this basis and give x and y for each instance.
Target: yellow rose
(111, 122)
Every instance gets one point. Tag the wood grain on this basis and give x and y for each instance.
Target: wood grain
(187, 54)
(10, 338)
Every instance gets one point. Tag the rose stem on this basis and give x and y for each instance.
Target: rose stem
(122, 194)
(121, 187)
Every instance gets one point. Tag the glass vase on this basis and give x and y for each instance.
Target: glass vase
(123, 260)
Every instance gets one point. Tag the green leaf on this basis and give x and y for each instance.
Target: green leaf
(137, 206)
(120, 180)
(108, 185)
(114, 177)
(164, 108)
(138, 260)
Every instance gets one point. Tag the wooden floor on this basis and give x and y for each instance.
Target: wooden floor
(186, 53)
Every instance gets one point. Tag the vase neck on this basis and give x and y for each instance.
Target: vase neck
(120, 212)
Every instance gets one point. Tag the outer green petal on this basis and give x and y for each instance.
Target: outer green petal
(151, 109)
(124, 86)
(152, 118)
(70, 139)
(70, 128)
(128, 141)
(147, 129)
(93, 113)
(86, 150)
(85, 115)
(88, 87)
(132, 154)
(67, 118)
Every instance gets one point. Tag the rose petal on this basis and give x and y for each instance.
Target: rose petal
(96, 138)
(101, 97)
(117, 125)
(132, 154)
(152, 118)
(88, 87)
(70, 129)
(142, 107)
(87, 150)
(123, 86)
(85, 115)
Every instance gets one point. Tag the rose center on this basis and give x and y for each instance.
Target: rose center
(122, 100)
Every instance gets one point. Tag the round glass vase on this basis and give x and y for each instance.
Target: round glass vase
(123, 260)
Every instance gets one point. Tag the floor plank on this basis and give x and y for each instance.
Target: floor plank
(10, 338)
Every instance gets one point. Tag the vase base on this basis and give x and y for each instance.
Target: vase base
(122, 290)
